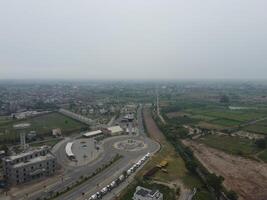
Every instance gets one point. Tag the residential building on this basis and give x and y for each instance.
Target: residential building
(142, 193)
(29, 165)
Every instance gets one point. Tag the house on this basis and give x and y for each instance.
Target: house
(142, 193)
(56, 132)
(114, 130)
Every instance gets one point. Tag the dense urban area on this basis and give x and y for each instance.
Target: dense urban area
(140, 140)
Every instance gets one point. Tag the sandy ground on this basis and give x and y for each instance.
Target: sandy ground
(246, 177)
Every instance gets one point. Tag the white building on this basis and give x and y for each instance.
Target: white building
(93, 133)
(56, 132)
(115, 130)
(142, 193)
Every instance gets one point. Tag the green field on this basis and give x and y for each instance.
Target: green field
(263, 155)
(259, 127)
(225, 122)
(232, 145)
(42, 125)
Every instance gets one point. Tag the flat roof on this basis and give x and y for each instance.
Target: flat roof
(22, 126)
(21, 155)
(92, 133)
(68, 149)
(34, 160)
(115, 129)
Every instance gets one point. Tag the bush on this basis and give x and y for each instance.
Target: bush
(261, 143)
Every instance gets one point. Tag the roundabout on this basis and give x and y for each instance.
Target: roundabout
(130, 145)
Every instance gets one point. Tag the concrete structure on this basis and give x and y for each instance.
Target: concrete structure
(76, 116)
(93, 133)
(142, 193)
(115, 130)
(68, 150)
(21, 128)
(56, 132)
(28, 166)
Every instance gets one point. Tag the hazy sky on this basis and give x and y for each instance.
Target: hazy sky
(136, 39)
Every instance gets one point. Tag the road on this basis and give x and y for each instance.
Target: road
(73, 173)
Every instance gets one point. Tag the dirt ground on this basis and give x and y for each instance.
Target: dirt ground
(152, 127)
(246, 177)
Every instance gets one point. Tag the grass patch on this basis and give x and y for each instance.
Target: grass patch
(263, 155)
(232, 145)
(42, 124)
(51, 143)
(226, 122)
(260, 127)
(176, 166)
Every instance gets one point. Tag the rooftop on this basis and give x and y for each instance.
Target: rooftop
(115, 129)
(34, 160)
(21, 155)
(92, 133)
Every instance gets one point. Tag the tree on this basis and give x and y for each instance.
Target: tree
(232, 195)
(191, 166)
(261, 143)
(215, 182)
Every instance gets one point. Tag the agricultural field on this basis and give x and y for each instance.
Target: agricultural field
(258, 127)
(231, 145)
(4, 120)
(42, 124)
(216, 116)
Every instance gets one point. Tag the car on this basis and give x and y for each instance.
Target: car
(113, 184)
(93, 197)
(121, 177)
(104, 190)
(129, 172)
(98, 194)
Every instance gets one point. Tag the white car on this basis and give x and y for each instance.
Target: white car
(113, 184)
(104, 190)
(93, 197)
(121, 177)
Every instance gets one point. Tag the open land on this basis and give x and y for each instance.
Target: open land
(42, 124)
(247, 177)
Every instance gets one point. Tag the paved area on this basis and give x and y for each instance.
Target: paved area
(130, 145)
(85, 151)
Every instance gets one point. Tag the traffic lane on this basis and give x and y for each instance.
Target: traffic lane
(96, 183)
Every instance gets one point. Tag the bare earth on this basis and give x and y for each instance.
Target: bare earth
(152, 127)
(246, 177)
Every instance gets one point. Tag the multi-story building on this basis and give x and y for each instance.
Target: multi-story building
(28, 166)
(142, 193)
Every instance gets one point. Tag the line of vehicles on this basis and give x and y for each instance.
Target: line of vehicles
(119, 180)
